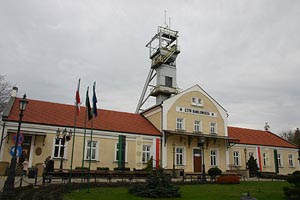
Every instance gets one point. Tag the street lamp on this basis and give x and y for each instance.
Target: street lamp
(63, 136)
(9, 188)
(201, 143)
(245, 151)
(173, 171)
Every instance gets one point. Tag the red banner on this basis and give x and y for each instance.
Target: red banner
(157, 153)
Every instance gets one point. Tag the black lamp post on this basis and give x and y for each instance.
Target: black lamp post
(9, 185)
(63, 136)
(173, 171)
(245, 151)
(201, 143)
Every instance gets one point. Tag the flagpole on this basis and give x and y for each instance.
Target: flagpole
(72, 154)
(90, 159)
(84, 135)
(77, 104)
(94, 114)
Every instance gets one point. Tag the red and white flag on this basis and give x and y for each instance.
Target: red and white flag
(77, 99)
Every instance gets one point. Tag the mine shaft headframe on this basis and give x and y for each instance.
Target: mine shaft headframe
(165, 38)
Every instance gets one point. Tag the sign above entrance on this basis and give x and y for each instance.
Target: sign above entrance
(12, 151)
(21, 138)
(195, 111)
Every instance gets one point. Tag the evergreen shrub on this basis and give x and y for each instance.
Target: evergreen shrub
(294, 191)
(158, 185)
(214, 172)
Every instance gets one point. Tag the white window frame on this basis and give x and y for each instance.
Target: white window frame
(116, 149)
(180, 123)
(59, 146)
(146, 154)
(179, 156)
(236, 158)
(213, 128)
(197, 126)
(291, 160)
(264, 159)
(196, 101)
(214, 158)
(279, 160)
(87, 149)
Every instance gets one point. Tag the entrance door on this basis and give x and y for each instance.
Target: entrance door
(197, 160)
(26, 145)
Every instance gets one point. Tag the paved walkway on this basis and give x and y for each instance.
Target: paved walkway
(21, 182)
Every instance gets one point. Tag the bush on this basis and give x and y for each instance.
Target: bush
(102, 169)
(122, 169)
(213, 172)
(228, 179)
(252, 166)
(82, 168)
(158, 185)
(294, 191)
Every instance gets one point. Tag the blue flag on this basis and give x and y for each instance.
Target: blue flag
(94, 100)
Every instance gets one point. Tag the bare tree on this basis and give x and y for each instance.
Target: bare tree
(5, 89)
(291, 136)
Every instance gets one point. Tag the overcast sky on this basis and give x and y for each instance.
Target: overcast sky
(245, 54)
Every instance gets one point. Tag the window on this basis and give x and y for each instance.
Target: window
(91, 147)
(179, 124)
(213, 157)
(117, 151)
(291, 160)
(213, 128)
(279, 160)
(179, 154)
(168, 81)
(59, 148)
(197, 126)
(236, 158)
(264, 159)
(197, 101)
(146, 153)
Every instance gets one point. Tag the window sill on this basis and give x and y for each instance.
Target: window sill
(198, 132)
(291, 166)
(126, 162)
(93, 161)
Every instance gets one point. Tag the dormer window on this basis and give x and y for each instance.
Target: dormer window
(197, 101)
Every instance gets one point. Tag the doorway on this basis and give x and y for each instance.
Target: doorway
(26, 145)
(197, 160)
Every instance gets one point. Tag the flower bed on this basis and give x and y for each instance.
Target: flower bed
(228, 179)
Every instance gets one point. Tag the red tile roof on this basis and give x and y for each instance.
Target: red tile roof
(47, 113)
(258, 137)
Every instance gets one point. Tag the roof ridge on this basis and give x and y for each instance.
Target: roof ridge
(65, 104)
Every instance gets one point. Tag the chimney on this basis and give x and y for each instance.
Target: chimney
(14, 92)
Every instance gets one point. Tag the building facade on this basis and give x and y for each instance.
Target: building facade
(170, 133)
(272, 153)
(42, 120)
(184, 120)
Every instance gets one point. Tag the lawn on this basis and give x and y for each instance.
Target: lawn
(260, 190)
